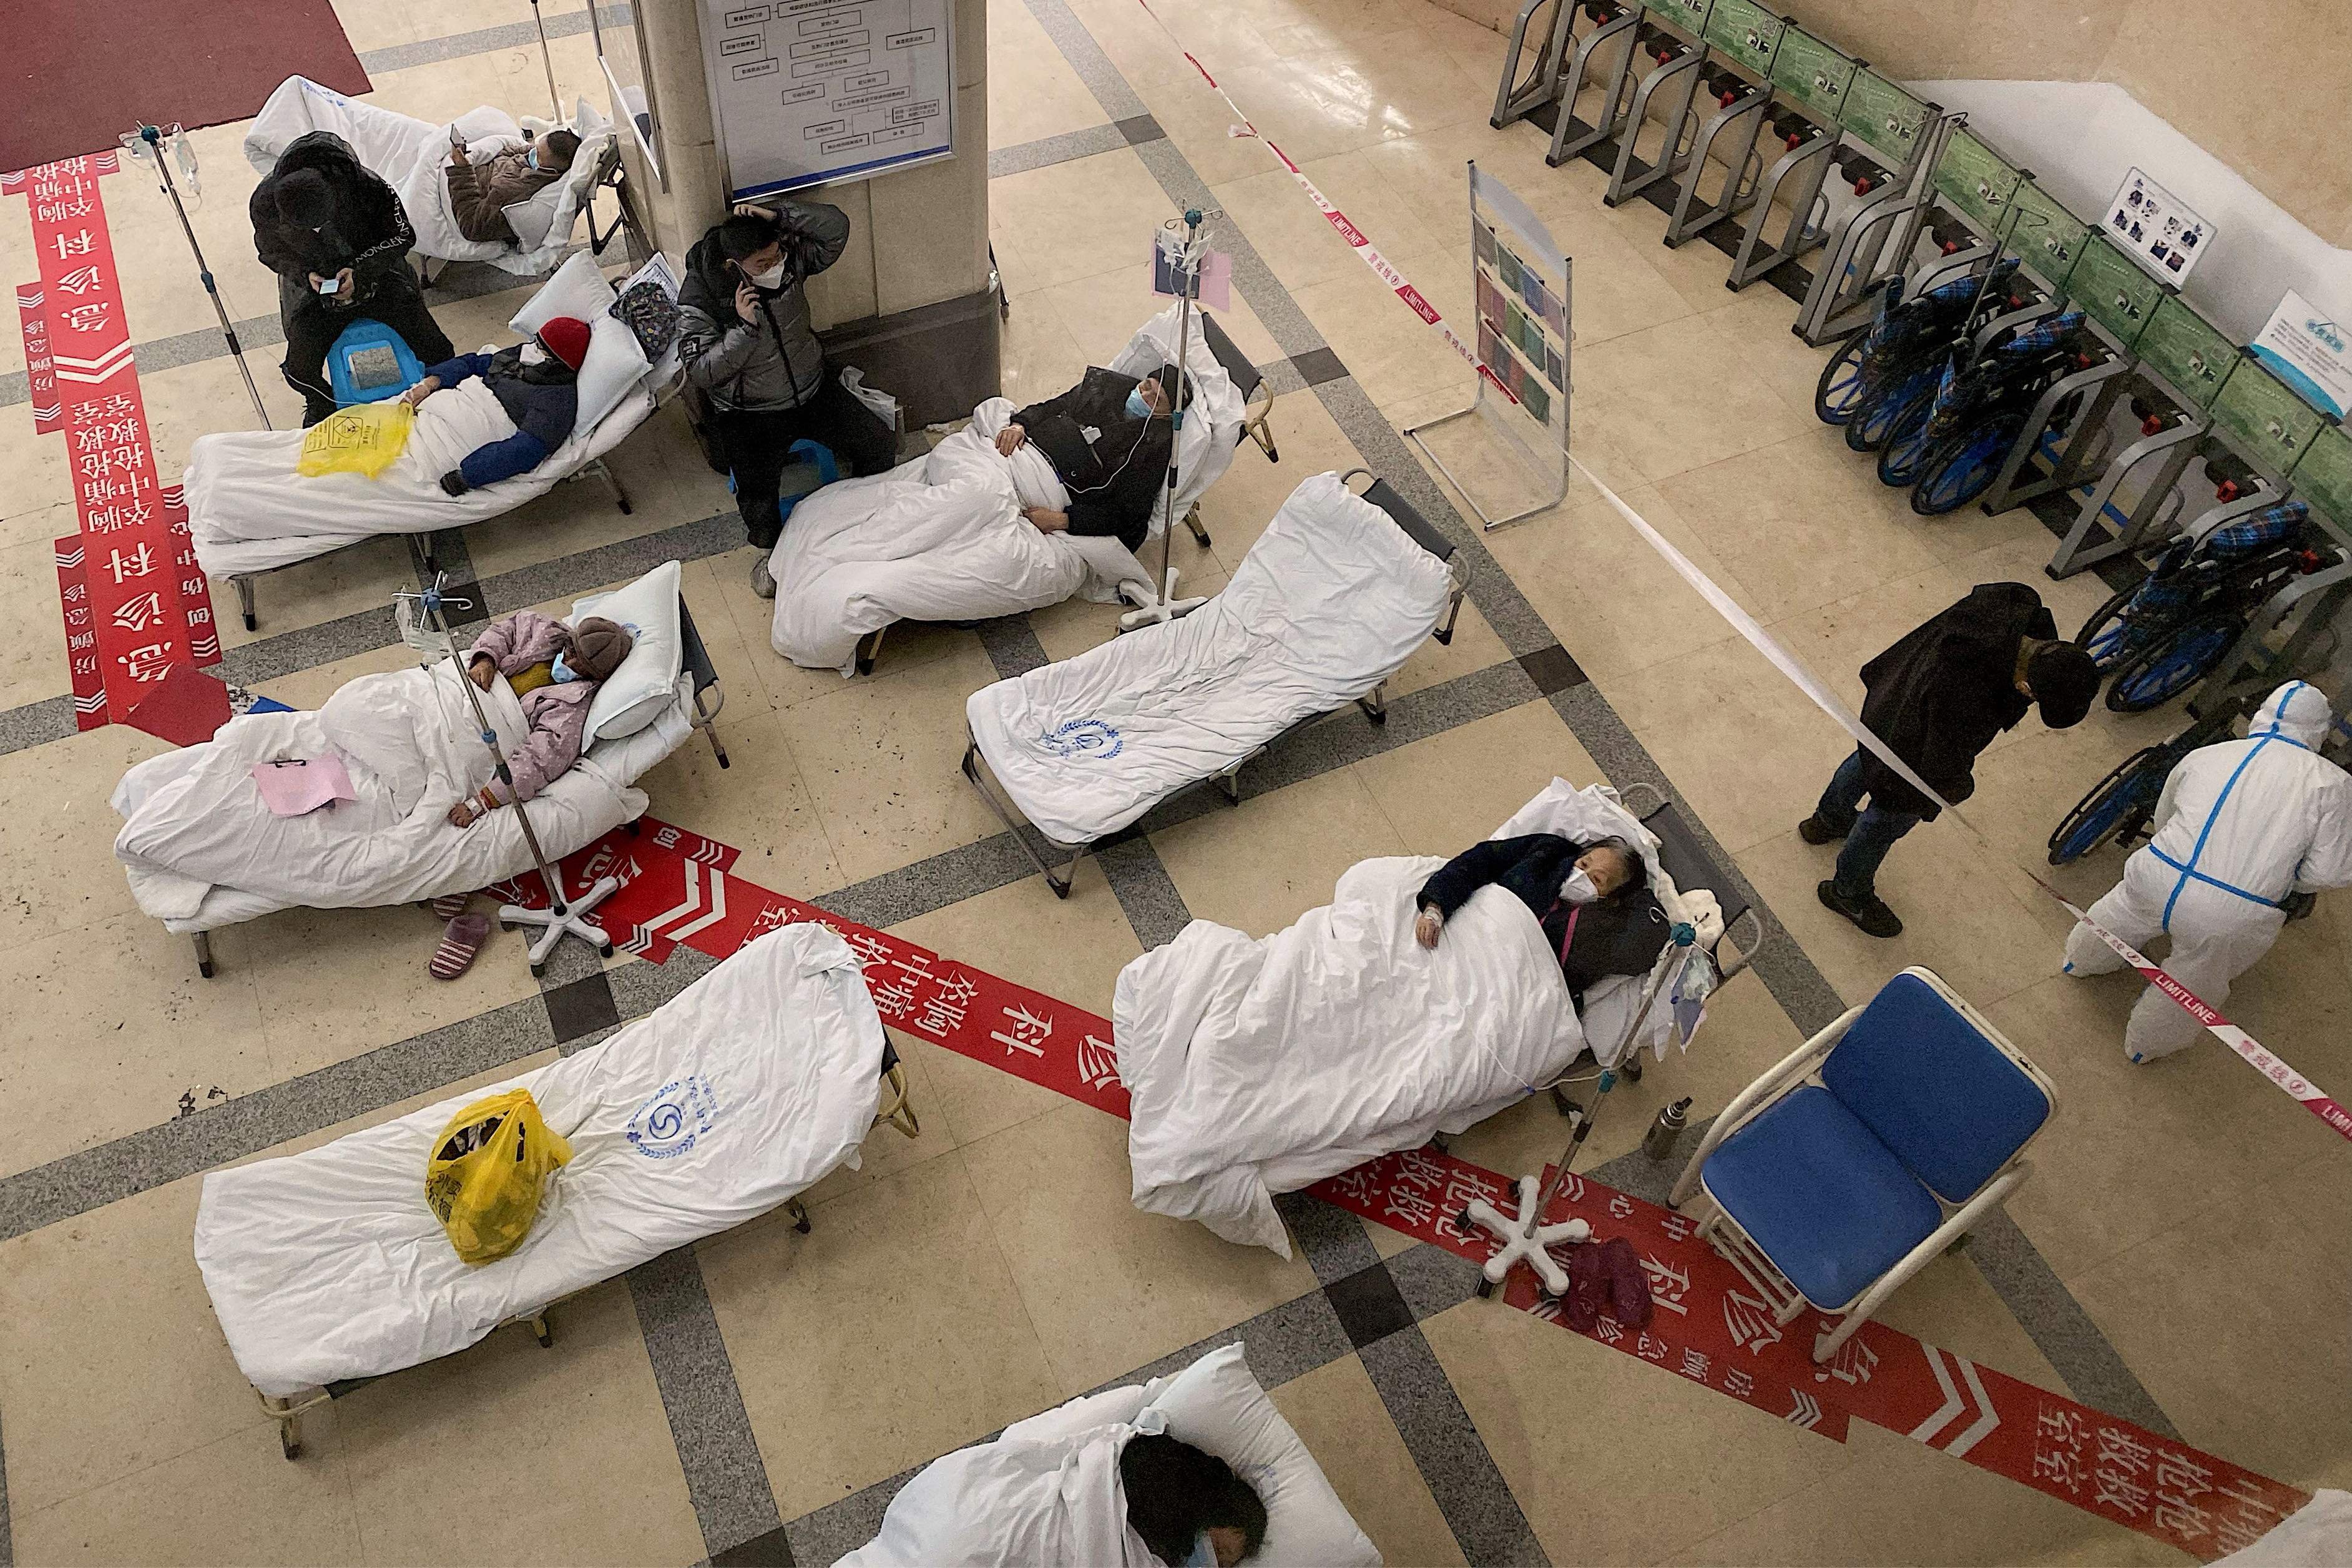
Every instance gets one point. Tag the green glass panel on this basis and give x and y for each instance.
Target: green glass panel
(2324, 477)
(2047, 239)
(1745, 33)
(1811, 75)
(2274, 425)
(1689, 15)
(1883, 117)
(2187, 350)
(1977, 181)
(2114, 291)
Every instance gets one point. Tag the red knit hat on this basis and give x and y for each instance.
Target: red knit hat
(566, 338)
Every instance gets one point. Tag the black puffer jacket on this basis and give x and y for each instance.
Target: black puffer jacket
(1116, 478)
(368, 233)
(1621, 935)
(779, 363)
(1946, 691)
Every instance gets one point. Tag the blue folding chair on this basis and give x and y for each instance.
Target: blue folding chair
(1874, 1147)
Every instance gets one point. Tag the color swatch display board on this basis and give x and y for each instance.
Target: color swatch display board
(1520, 277)
(805, 91)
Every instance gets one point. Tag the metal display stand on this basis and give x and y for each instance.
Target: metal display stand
(1522, 279)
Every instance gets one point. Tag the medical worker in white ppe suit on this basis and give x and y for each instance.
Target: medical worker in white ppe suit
(2241, 825)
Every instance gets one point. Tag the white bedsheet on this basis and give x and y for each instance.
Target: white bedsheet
(202, 851)
(737, 1094)
(1049, 1501)
(1263, 1066)
(410, 154)
(1326, 605)
(938, 538)
(249, 510)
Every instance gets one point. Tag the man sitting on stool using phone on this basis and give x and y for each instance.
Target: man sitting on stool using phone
(335, 235)
(748, 346)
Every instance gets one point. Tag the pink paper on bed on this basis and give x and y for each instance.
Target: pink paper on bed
(304, 784)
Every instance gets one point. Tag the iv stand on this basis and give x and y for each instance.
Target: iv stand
(153, 137)
(559, 919)
(1523, 1235)
(553, 98)
(1165, 606)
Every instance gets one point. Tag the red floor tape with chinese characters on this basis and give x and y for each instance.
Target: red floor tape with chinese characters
(1709, 1327)
(135, 604)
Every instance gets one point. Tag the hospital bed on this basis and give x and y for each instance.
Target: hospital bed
(326, 1270)
(250, 513)
(1332, 599)
(411, 156)
(595, 796)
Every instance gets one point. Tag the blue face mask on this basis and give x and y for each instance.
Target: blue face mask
(1134, 404)
(1204, 1553)
(531, 158)
(563, 672)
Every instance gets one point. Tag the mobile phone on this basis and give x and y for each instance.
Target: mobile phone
(329, 285)
(457, 138)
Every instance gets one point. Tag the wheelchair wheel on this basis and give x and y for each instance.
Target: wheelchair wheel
(2172, 663)
(1840, 387)
(1874, 417)
(2105, 636)
(1908, 442)
(2116, 807)
(1963, 468)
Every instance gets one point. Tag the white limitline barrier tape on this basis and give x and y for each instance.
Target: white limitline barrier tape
(2259, 1057)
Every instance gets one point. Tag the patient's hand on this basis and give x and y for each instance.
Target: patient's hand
(463, 815)
(1425, 929)
(1009, 439)
(1047, 521)
(422, 390)
(484, 671)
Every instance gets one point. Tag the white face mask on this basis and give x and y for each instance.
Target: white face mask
(1578, 888)
(533, 354)
(773, 277)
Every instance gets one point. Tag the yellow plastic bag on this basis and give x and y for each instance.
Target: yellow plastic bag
(364, 438)
(486, 1171)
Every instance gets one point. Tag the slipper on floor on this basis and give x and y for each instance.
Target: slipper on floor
(449, 906)
(459, 943)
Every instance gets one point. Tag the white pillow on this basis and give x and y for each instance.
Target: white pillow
(578, 288)
(615, 363)
(646, 685)
(534, 216)
(1218, 1408)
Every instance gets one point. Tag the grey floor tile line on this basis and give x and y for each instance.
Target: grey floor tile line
(725, 1478)
(1048, 151)
(485, 41)
(1469, 1489)
(2081, 1355)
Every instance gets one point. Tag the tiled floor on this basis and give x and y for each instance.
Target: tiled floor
(743, 1400)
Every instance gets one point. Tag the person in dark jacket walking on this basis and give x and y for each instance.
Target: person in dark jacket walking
(1594, 901)
(335, 235)
(1938, 698)
(748, 346)
(1108, 439)
(538, 385)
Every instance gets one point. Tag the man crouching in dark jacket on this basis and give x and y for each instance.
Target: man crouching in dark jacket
(748, 346)
(335, 235)
(537, 384)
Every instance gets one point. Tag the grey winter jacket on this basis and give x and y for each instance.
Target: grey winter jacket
(777, 364)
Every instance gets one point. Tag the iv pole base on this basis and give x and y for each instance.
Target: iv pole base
(572, 921)
(1159, 611)
(1518, 1246)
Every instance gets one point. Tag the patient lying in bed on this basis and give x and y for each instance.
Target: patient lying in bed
(1593, 902)
(556, 671)
(537, 386)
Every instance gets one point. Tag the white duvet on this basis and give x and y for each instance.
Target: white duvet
(1327, 604)
(410, 155)
(738, 1093)
(1263, 1065)
(201, 850)
(249, 511)
(938, 538)
(1052, 1501)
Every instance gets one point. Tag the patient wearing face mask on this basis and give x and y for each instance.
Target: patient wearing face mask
(537, 386)
(1592, 901)
(1108, 439)
(554, 670)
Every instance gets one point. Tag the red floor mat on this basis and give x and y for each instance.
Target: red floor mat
(77, 75)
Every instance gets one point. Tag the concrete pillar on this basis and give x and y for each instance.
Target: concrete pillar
(909, 301)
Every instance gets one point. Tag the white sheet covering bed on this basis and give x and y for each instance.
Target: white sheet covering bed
(249, 511)
(202, 851)
(1260, 1066)
(1326, 605)
(411, 153)
(938, 538)
(729, 1098)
